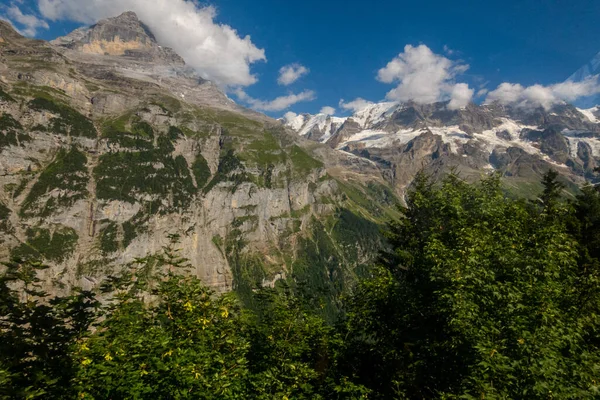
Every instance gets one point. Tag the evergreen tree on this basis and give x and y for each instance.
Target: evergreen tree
(37, 333)
(480, 299)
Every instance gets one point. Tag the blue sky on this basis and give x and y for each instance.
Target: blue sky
(344, 44)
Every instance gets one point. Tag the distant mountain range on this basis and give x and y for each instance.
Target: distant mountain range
(402, 138)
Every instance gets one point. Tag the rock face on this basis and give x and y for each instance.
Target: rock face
(520, 143)
(105, 157)
(125, 36)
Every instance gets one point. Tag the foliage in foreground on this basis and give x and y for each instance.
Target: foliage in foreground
(482, 297)
(161, 334)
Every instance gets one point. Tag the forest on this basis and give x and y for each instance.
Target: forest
(481, 295)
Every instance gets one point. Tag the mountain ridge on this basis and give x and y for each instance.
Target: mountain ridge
(471, 138)
(104, 157)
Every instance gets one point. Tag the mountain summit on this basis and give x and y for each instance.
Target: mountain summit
(588, 70)
(124, 35)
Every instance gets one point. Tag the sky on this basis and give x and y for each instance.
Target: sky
(335, 56)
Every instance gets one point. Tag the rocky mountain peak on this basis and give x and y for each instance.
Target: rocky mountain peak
(126, 27)
(127, 16)
(7, 31)
(124, 36)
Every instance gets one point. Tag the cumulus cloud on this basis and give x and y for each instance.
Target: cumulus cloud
(215, 50)
(29, 22)
(543, 96)
(291, 73)
(425, 77)
(355, 105)
(289, 116)
(327, 110)
(278, 104)
(460, 96)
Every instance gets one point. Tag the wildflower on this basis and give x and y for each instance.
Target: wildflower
(188, 306)
(108, 357)
(86, 361)
(224, 312)
(204, 322)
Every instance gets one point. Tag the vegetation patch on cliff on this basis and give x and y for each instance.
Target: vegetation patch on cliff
(5, 225)
(53, 245)
(65, 180)
(130, 176)
(11, 132)
(6, 97)
(67, 122)
(230, 169)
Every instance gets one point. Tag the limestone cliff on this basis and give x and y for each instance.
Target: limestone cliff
(105, 157)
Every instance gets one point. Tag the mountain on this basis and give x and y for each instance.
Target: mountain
(110, 146)
(124, 35)
(588, 70)
(522, 144)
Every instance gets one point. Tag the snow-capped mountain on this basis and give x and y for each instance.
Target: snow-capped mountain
(521, 143)
(317, 127)
(592, 68)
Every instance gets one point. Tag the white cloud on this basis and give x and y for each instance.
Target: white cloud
(30, 22)
(448, 50)
(482, 92)
(215, 50)
(543, 96)
(291, 73)
(327, 110)
(278, 104)
(290, 116)
(461, 96)
(425, 77)
(355, 105)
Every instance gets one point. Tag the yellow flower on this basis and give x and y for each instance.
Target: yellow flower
(108, 357)
(204, 322)
(86, 361)
(83, 347)
(224, 312)
(188, 306)
(521, 341)
(168, 353)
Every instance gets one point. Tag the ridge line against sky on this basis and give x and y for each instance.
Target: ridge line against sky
(308, 57)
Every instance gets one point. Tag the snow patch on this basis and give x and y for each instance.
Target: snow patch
(589, 114)
(375, 113)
